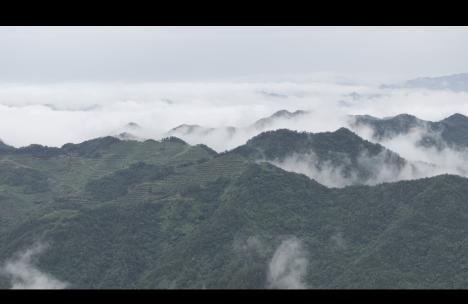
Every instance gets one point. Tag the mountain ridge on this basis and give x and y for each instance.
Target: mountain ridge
(454, 82)
(449, 131)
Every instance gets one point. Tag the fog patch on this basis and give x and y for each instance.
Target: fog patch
(74, 112)
(384, 167)
(23, 274)
(251, 243)
(324, 172)
(427, 160)
(288, 266)
(338, 240)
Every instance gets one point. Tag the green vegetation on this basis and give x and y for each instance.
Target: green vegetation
(127, 214)
(451, 131)
(116, 184)
(355, 158)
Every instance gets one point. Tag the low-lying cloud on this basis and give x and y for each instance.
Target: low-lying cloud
(429, 160)
(288, 266)
(57, 114)
(54, 114)
(446, 161)
(367, 170)
(23, 274)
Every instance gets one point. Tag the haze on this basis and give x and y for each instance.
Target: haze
(76, 54)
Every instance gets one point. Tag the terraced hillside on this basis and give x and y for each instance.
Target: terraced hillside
(169, 215)
(36, 177)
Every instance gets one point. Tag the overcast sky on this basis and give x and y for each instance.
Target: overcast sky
(90, 54)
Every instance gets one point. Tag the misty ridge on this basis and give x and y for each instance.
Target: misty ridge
(283, 185)
(424, 148)
(427, 148)
(88, 110)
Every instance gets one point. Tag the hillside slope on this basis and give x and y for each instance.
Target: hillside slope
(169, 215)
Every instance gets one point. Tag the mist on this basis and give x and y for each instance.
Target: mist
(226, 112)
(60, 113)
(288, 266)
(429, 160)
(23, 274)
(377, 169)
(57, 114)
(421, 162)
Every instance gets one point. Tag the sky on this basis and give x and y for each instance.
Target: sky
(70, 84)
(135, 54)
(63, 85)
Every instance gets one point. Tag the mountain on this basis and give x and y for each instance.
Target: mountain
(165, 214)
(457, 83)
(36, 177)
(389, 127)
(228, 222)
(4, 147)
(267, 122)
(127, 136)
(455, 130)
(185, 129)
(337, 158)
(132, 126)
(451, 131)
(259, 125)
(280, 143)
(226, 138)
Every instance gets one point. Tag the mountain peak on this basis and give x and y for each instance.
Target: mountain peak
(365, 116)
(92, 147)
(185, 126)
(173, 139)
(5, 147)
(404, 116)
(281, 114)
(344, 130)
(186, 129)
(126, 136)
(288, 114)
(133, 125)
(456, 82)
(456, 118)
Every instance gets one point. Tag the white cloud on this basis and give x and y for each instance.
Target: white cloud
(25, 275)
(288, 266)
(56, 114)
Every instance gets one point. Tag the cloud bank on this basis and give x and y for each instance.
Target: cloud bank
(55, 114)
(25, 275)
(288, 266)
(59, 113)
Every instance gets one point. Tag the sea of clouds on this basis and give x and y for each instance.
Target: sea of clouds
(55, 114)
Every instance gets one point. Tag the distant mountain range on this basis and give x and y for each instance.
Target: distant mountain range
(123, 213)
(282, 209)
(451, 131)
(267, 122)
(457, 83)
(260, 125)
